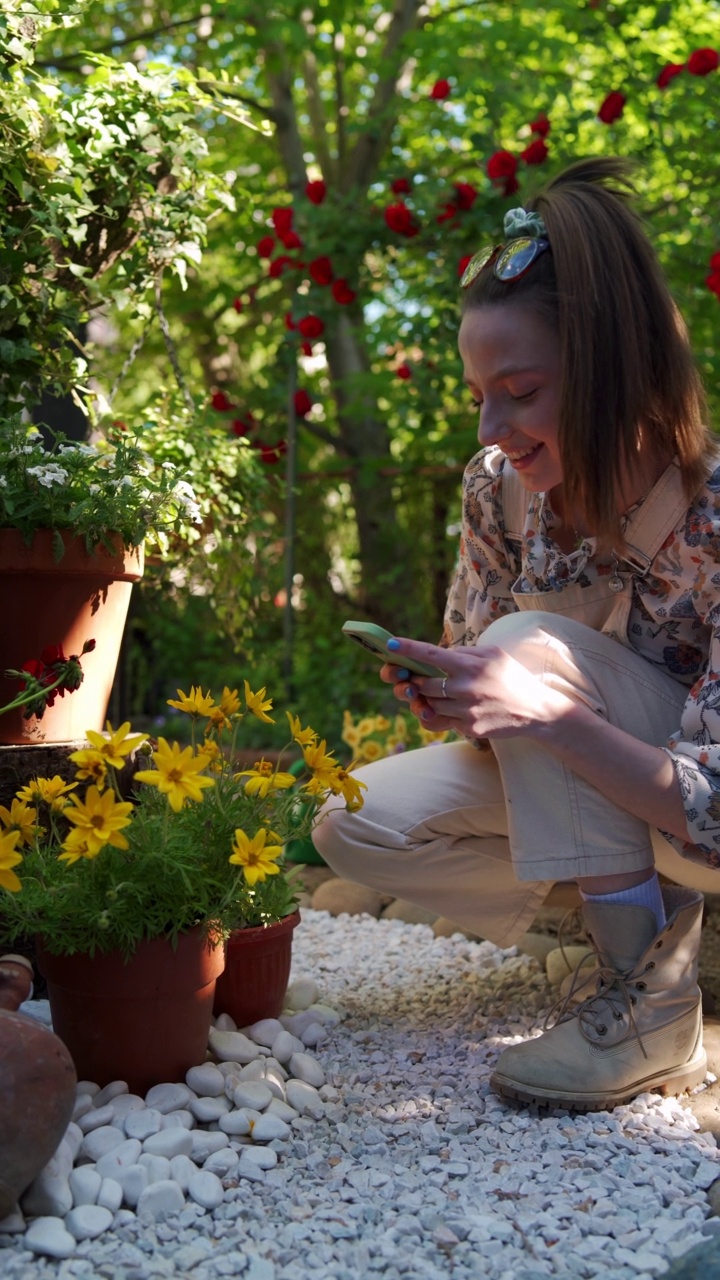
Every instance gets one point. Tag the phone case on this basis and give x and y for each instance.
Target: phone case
(375, 639)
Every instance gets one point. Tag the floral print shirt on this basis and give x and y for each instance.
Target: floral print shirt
(674, 619)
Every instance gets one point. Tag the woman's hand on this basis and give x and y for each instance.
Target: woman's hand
(486, 693)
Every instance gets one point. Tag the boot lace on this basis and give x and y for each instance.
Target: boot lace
(611, 999)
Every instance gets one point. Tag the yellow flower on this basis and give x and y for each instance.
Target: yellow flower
(382, 724)
(52, 791)
(21, 818)
(77, 844)
(371, 751)
(427, 735)
(351, 736)
(230, 702)
(366, 726)
(9, 858)
(401, 728)
(91, 764)
(176, 774)
(196, 703)
(347, 718)
(116, 745)
(261, 780)
(257, 859)
(258, 704)
(213, 755)
(317, 758)
(101, 818)
(345, 785)
(304, 737)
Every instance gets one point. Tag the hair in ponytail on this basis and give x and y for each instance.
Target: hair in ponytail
(628, 373)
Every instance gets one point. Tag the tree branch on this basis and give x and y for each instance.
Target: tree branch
(141, 38)
(365, 157)
(318, 122)
(280, 81)
(322, 433)
(226, 91)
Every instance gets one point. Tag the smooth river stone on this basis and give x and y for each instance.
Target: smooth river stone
(85, 1183)
(263, 1157)
(264, 1031)
(121, 1157)
(178, 1120)
(301, 994)
(169, 1142)
(88, 1221)
(233, 1046)
(205, 1143)
(142, 1124)
(221, 1163)
(206, 1189)
(72, 1142)
(110, 1195)
(160, 1201)
(306, 1068)
(169, 1097)
(282, 1110)
(49, 1235)
(234, 1123)
(97, 1143)
(285, 1045)
(133, 1181)
(126, 1104)
(323, 1013)
(208, 1110)
(305, 1099)
(269, 1127)
(158, 1167)
(49, 1195)
(253, 1093)
(95, 1117)
(83, 1103)
(314, 1035)
(111, 1091)
(206, 1080)
(182, 1169)
(224, 1022)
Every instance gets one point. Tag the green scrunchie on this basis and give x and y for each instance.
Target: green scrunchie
(518, 222)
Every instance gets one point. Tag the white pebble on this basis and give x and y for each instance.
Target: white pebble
(142, 1124)
(301, 994)
(235, 1123)
(323, 1013)
(85, 1183)
(282, 1109)
(95, 1117)
(206, 1189)
(49, 1235)
(252, 1093)
(125, 1104)
(263, 1157)
(182, 1169)
(305, 1099)
(224, 1022)
(48, 1196)
(169, 1142)
(83, 1103)
(12, 1224)
(285, 1045)
(269, 1127)
(229, 1069)
(133, 1182)
(208, 1110)
(88, 1221)
(178, 1120)
(169, 1097)
(314, 1035)
(205, 1080)
(121, 1157)
(306, 1068)
(87, 1086)
(110, 1195)
(72, 1142)
(100, 1141)
(158, 1167)
(221, 1163)
(233, 1046)
(112, 1090)
(160, 1201)
(204, 1143)
(264, 1031)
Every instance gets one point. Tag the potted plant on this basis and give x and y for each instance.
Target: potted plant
(132, 899)
(73, 518)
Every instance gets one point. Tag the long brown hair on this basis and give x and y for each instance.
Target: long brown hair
(625, 353)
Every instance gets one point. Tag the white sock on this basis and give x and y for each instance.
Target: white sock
(647, 894)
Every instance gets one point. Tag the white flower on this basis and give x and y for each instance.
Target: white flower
(184, 495)
(3, 482)
(49, 475)
(85, 450)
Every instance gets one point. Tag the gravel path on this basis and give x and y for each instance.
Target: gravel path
(416, 1169)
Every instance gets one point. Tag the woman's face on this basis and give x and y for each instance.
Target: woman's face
(511, 362)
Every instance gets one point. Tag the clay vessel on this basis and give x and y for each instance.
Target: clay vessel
(37, 1086)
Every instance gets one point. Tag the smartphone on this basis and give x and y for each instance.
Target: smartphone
(375, 639)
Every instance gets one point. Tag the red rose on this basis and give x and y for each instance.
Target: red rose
(278, 265)
(291, 239)
(399, 219)
(237, 304)
(715, 262)
(540, 125)
(511, 186)
(463, 263)
(668, 73)
(536, 152)
(321, 270)
(311, 326)
(271, 453)
(306, 348)
(713, 281)
(266, 246)
(52, 653)
(243, 426)
(282, 220)
(440, 90)
(220, 402)
(401, 186)
(465, 195)
(611, 108)
(316, 192)
(404, 371)
(450, 210)
(289, 322)
(501, 166)
(703, 61)
(303, 403)
(342, 292)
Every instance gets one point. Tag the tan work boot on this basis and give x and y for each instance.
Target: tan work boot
(640, 1030)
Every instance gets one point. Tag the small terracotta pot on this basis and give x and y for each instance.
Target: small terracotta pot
(81, 597)
(146, 1021)
(257, 971)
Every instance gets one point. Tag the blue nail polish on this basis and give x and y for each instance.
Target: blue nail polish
(426, 715)
(410, 691)
(393, 644)
(402, 673)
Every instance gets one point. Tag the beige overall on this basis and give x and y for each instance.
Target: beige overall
(481, 836)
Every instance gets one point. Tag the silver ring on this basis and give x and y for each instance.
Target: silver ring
(443, 691)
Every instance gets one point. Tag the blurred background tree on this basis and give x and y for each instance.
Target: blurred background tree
(389, 137)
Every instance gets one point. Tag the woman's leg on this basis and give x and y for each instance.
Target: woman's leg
(433, 829)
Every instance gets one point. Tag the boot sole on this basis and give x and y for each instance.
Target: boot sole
(679, 1081)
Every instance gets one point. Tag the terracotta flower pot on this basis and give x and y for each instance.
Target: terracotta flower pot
(257, 971)
(146, 1021)
(83, 597)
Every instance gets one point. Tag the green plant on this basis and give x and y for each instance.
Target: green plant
(199, 841)
(92, 490)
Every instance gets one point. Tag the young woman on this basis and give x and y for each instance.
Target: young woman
(581, 649)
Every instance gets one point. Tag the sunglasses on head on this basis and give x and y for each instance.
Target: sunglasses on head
(510, 261)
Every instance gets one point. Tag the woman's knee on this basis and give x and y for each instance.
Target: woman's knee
(331, 831)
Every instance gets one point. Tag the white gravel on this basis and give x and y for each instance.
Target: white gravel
(415, 1169)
